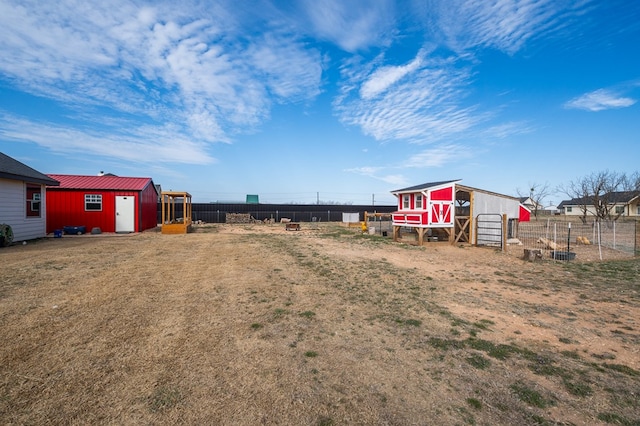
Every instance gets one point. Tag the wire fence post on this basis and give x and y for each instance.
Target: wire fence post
(599, 241)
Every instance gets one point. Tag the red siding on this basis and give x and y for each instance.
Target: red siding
(148, 207)
(410, 218)
(444, 194)
(66, 208)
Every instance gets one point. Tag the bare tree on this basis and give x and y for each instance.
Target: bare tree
(537, 193)
(633, 183)
(597, 193)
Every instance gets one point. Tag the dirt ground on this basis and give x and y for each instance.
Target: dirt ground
(252, 324)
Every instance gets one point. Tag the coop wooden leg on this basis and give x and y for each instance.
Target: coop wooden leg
(396, 233)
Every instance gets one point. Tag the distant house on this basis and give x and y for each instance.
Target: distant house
(111, 203)
(531, 204)
(620, 204)
(625, 203)
(453, 209)
(23, 192)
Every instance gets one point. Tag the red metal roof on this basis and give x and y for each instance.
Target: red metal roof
(113, 183)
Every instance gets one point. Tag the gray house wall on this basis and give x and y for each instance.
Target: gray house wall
(12, 210)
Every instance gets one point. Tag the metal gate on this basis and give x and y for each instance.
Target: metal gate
(489, 230)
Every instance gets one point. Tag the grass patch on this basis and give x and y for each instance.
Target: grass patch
(446, 344)
(617, 419)
(483, 324)
(279, 312)
(529, 396)
(475, 403)
(578, 389)
(500, 351)
(164, 398)
(307, 314)
(256, 326)
(478, 361)
(311, 354)
(325, 421)
(622, 369)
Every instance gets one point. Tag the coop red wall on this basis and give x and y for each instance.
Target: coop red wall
(66, 208)
(444, 194)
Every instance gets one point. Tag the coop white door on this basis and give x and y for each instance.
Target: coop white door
(125, 214)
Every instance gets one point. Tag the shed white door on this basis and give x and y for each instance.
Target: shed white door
(125, 213)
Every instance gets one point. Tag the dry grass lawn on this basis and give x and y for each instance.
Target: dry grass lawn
(251, 325)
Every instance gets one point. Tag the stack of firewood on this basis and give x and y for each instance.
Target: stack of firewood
(240, 218)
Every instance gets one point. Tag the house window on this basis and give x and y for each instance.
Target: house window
(93, 202)
(619, 209)
(638, 212)
(34, 197)
(568, 209)
(419, 202)
(405, 201)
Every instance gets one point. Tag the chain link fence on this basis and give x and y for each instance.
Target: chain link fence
(590, 241)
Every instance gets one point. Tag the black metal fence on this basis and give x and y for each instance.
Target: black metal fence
(217, 213)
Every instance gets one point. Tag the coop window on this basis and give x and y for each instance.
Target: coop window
(619, 209)
(638, 211)
(93, 202)
(419, 201)
(405, 201)
(568, 209)
(34, 197)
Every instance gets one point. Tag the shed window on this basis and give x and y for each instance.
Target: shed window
(619, 209)
(568, 209)
(419, 201)
(405, 201)
(638, 211)
(93, 202)
(34, 196)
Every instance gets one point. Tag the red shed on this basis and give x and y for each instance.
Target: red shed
(111, 203)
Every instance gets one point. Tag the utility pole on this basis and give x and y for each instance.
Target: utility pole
(373, 199)
(318, 198)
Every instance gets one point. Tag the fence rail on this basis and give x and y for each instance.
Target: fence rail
(217, 213)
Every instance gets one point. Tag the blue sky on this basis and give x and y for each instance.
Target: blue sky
(341, 101)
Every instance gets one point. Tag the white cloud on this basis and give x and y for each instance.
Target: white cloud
(291, 69)
(600, 100)
(501, 24)
(137, 145)
(195, 67)
(384, 77)
(375, 173)
(505, 130)
(352, 25)
(438, 156)
(424, 106)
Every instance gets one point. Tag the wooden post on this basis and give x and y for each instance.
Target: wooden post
(504, 232)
